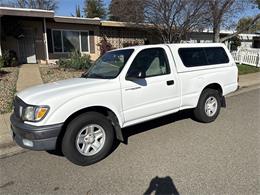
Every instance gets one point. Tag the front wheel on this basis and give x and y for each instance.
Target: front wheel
(88, 139)
(208, 106)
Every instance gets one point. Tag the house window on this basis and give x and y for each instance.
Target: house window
(57, 43)
(70, 40)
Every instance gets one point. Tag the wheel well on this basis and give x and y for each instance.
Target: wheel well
(100, 109)
(215, 86)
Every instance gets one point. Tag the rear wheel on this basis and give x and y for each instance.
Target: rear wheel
(208, 106)
(88, 139)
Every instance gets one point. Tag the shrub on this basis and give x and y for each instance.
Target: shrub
(1, 62)
(8, 58)
(76, 61)
(104, 45)
(129, 44)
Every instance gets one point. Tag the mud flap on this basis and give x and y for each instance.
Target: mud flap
(223, 102)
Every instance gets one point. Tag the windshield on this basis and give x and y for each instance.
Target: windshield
(109, 65)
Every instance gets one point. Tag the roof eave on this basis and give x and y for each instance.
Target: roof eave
(76, 20)
(8, 11)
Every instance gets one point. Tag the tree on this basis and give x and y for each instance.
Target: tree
(94, 8)
(173, 19)
(37, 4)
(220, 13)
(77, 12)
(257, 3)
(218, 10)
(127, 10)
(244, 25)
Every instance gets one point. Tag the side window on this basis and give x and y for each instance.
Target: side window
(203, 56)
(148, 63)
(193, 57)
(216, 55)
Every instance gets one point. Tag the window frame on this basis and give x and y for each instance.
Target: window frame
(167, 63)
(205, 54)
(62, 44)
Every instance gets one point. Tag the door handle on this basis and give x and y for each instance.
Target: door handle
(133, 88)
(170, 82)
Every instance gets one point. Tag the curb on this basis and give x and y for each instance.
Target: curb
(10, 150)
(244, 90)
(8, 147)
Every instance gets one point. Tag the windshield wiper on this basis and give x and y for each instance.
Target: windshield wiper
(94, 75)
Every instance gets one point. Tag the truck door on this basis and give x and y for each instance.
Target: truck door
(150, 86)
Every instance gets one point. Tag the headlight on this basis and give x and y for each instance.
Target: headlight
(35, 113)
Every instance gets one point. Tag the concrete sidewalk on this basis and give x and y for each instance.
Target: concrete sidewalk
(249, 80)
(29, 75)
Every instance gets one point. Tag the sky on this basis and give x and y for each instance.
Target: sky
(67, 7)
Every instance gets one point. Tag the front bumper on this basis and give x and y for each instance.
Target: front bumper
(35, 137)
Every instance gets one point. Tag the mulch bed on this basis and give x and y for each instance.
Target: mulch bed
(54, 73)
(8, 79)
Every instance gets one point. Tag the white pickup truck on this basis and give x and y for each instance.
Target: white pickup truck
(124, 87)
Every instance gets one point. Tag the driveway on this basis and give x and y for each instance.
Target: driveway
(173, 154)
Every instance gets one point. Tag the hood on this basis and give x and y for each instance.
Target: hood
(64, 90)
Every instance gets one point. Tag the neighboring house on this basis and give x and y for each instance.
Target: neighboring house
(250, 40)
(38, 36)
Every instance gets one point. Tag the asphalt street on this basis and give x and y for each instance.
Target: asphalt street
(173, 154)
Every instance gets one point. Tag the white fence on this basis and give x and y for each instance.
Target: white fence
(249, 57)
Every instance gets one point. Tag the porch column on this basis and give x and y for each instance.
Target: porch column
(45, 40)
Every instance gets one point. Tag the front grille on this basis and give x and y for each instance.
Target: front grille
(16, 107)
(19, 106)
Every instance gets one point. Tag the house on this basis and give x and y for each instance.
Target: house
(38, 36)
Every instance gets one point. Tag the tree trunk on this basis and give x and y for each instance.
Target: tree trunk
(216, 33)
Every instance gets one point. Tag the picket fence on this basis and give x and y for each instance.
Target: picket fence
(247, 56)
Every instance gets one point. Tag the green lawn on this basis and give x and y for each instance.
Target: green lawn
(246, 69)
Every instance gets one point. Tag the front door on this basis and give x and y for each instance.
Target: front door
(27, 47)
(155, 92)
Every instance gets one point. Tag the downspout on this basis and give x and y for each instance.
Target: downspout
(45, 41)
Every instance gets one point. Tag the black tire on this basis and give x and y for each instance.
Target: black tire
(200, 113)
(69, 148)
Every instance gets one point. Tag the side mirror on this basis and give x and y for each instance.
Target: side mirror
(134, 76)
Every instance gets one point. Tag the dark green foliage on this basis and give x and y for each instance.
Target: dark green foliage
(94, 8)
(235, 43)
(1, 62)
(78, 13)
(247, 26)
(8, 58)
(127, 11)
(76, 61)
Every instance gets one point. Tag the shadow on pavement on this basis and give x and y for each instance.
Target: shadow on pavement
(136, 129)
(146, 126)
(161, 185)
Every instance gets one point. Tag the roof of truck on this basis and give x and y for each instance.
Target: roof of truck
(177, 45)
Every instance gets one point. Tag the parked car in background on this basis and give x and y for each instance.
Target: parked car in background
(124, 87)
